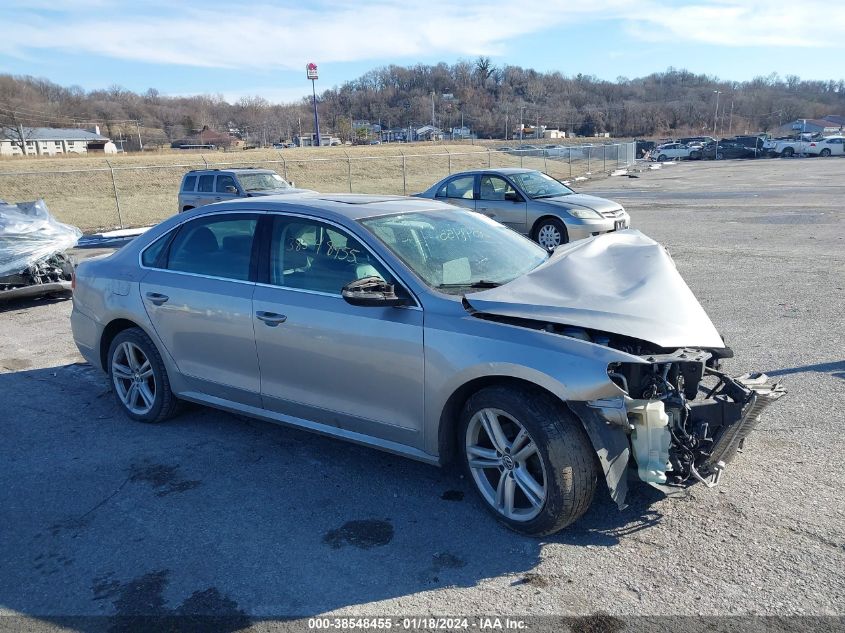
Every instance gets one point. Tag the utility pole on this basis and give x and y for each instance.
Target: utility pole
(521, 125)
(731, 120)
(716, 113)
(138, 125)
(507, 112)
(432, 112)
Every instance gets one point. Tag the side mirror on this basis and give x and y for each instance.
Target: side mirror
(513, 196)
(231, 189)
(292, 184)
(371, 292)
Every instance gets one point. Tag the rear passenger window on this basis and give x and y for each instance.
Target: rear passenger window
(460, 187)
(218, 246)
(206, 183)
(190, 183)
(310, 255)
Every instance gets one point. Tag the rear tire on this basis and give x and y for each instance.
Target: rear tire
(787, 152)
(139, 379)
(825, 152)
(537, 494)
(662, 157)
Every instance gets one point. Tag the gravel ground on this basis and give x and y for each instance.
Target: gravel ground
(213, 513)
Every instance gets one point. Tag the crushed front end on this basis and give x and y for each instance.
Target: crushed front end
(681, 419)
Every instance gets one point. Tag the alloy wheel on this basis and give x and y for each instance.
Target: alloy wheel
(506, 464)
(548, 237)
(133, 378)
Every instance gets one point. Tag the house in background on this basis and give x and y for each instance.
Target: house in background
(48, 141)
(826, 126)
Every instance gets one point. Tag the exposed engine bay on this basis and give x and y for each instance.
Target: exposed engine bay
(686, 419)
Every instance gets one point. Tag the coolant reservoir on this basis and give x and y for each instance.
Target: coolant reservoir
(650, 439)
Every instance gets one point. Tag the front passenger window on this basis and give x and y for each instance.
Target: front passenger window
(310, 255)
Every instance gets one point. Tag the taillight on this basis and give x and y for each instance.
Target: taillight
(812, 144)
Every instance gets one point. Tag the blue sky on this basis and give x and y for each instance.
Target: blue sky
(238, 49)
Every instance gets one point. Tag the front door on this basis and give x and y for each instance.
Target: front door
(199, 299)
(498, 200)
(324, 360)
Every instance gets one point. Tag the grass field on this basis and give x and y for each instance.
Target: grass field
(87, 190)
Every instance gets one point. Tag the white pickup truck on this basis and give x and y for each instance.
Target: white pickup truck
(787, 147)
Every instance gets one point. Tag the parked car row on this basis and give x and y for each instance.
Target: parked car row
(707, 148)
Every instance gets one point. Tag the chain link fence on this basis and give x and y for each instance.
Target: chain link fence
(120, 196)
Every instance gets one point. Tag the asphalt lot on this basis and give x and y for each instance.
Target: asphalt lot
(213, 513)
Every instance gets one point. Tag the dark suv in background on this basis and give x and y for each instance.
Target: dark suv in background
(205, 186)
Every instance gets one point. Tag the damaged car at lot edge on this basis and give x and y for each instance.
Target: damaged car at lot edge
(432, 332)
(33, 260)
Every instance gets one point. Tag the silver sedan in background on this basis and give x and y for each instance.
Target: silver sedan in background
(532, 203)
(428, 331)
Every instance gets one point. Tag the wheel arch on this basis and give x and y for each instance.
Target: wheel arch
(447, 438)
(549, 216)
(114, 328)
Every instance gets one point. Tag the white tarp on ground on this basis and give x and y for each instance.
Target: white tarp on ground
(29, 233)
(621, 282)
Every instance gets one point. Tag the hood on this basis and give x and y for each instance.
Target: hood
(277, 192)
(602, 205)
(621, 282)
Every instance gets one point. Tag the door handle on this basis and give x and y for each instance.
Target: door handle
(271, 318)
(157, 298)
(218, 198)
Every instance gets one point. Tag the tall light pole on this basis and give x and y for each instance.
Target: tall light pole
(311, 73)
(716, 113)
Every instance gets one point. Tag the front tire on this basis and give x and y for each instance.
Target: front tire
(139, 379)
(529, 458)
(550, 233)
(787, 152)
(662, 158)
(825, 152)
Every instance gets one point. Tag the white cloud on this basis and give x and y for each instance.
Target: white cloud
(286, 35)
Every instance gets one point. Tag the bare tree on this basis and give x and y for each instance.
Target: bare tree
(13, 129)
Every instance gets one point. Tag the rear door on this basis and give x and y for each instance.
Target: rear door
(198, 295)
(459, 191)
(499, 200)
(205, 190)
(323, 360)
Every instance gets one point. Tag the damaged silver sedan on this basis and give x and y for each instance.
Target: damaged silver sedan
(430, 332)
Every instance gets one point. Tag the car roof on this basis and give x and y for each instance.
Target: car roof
(255, 170)
(498, 170)
(334, 206)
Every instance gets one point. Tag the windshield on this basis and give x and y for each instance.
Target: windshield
(536, 184)
(457, 251)
(262, 182)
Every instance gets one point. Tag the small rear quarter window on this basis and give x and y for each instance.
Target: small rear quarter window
(190, 183)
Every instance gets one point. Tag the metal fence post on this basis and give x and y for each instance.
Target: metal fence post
(489, 158)
(284, 165)
(604, 157)
(116, 197)
(404, 175)
(545, 165)
(521, 157)
(348, 170)
(589, 155)
(450, 159)
(205, 161)
(570, 162)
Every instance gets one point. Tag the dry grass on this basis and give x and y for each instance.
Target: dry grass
(79, 189)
